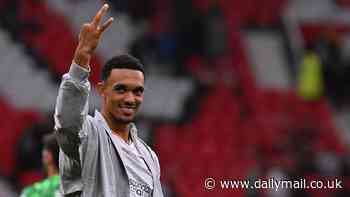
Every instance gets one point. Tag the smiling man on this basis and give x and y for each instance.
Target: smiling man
(102, 156)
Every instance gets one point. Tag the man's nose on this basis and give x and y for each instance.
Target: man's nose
(129, 97)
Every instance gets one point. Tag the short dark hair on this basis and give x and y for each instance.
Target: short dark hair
(123, 61)
(50, 144)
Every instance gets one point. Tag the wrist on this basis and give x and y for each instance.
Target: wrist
(82, 57)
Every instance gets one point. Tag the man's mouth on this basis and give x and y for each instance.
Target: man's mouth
(128, 110)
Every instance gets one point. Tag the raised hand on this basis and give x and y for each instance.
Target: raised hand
(89, 37)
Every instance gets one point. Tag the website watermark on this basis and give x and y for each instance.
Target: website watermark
(272, 183)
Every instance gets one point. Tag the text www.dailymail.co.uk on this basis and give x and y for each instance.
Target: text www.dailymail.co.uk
(272, 183)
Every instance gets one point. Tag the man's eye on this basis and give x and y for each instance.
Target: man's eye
(138, 91)
(120, 89)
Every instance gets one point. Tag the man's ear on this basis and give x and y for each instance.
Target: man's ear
(101, 88)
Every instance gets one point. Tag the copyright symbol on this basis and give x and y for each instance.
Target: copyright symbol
(209, 183)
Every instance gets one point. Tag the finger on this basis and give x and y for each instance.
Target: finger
(99, 15)
(106, 24)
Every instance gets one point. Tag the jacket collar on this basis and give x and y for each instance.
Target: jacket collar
(133, 131)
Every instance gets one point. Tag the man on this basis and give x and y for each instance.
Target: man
(102, 155)
(50, 186)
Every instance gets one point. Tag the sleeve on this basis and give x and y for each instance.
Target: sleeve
(72, 109)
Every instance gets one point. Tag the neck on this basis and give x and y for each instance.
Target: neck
(51, 170)
(120, 129)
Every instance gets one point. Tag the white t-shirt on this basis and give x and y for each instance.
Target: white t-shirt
(140, 177)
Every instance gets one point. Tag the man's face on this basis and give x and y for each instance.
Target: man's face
(46, 158)
(122, 94)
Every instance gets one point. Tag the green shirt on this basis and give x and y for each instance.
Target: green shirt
(46, 188)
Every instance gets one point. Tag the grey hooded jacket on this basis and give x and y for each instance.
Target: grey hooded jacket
(90, 162)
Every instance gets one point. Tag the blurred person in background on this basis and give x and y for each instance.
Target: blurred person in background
(103, 155)
(30, 146)
(50, 186)
(310, 81)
